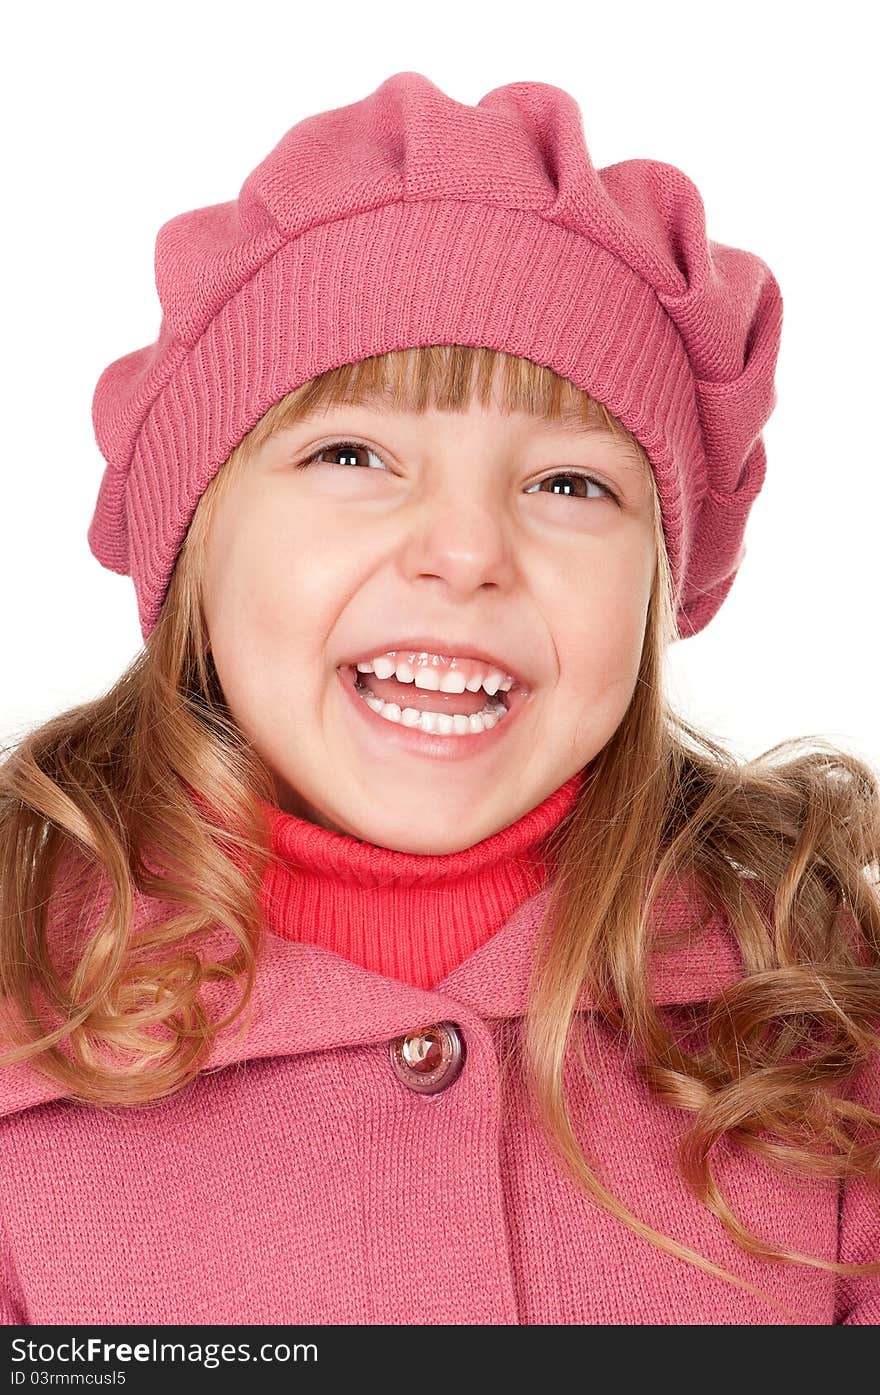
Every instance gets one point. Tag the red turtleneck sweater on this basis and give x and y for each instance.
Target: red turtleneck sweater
(407, 916)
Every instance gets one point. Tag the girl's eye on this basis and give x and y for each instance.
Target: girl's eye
(349, 449)
(576, 475)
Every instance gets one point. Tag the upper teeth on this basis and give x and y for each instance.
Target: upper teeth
(447, 680)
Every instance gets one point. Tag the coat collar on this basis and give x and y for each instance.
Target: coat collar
(307, 998)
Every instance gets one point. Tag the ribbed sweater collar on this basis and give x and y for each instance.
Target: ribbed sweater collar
(407, 916)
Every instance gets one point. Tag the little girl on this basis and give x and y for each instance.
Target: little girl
(383, 948)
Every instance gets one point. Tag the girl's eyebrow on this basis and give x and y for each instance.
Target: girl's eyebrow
(631, 456)
(579, 428)
(576, 428)
(569, 426)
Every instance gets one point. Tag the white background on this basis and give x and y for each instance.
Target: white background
(118, 116)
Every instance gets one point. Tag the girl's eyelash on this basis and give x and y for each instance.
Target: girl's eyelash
(362, 445)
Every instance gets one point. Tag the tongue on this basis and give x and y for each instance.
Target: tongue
(408, 695)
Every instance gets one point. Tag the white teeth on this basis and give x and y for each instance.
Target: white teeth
(451, 682)
(429, 679)
(434, 680)
(438, 723)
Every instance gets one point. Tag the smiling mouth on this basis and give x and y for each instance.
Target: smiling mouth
(440, 731)
(422, 699)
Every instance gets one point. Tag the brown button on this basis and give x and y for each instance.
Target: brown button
(429, 1059)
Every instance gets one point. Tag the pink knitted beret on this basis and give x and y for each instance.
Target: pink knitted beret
(406, 219)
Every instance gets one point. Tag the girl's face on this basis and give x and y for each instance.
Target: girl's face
(465, 526)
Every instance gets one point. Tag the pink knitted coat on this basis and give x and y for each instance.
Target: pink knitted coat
(299, 1179)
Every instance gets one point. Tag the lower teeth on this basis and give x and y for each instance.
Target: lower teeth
(436, 723)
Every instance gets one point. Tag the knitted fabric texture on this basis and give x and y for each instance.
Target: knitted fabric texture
(406, 916)
(298, 1180)
(406, 219)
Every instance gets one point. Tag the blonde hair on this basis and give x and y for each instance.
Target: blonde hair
(790, 840)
